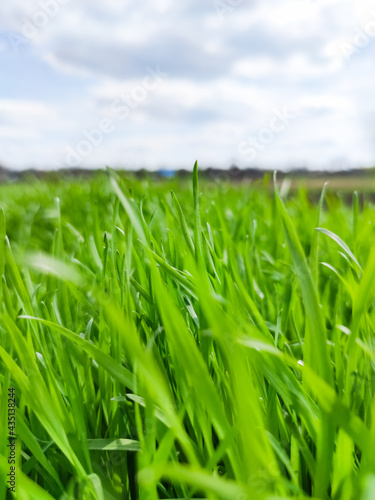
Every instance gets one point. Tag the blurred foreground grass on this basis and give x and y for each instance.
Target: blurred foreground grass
(204, 343)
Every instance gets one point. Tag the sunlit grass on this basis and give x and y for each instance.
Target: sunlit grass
(170, 339)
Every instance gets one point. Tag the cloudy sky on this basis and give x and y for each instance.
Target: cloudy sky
(160, 83)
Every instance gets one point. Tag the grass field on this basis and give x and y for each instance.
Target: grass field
(205, 343)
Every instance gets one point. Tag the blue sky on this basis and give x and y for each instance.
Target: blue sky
(158, 84)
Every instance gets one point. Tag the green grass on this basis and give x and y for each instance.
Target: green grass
(169, 339)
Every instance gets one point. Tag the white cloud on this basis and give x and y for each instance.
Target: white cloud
(17, 109)
(226, 76)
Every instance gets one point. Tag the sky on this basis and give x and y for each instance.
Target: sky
(159, 83)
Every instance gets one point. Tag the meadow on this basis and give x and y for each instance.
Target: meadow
(182, 339)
